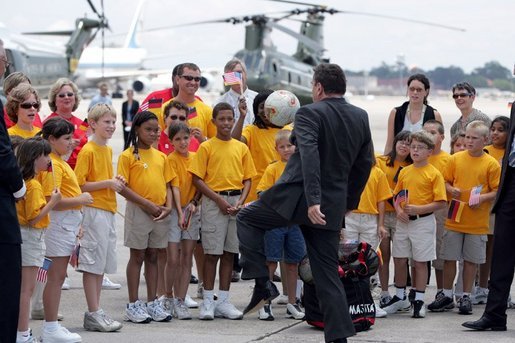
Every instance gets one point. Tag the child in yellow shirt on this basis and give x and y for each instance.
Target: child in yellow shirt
(149, 202)
(94, 171)
(32, 156)
(222, 170)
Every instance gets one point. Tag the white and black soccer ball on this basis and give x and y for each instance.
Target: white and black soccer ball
(281, 106)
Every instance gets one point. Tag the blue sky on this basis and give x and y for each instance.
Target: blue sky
(355, 42)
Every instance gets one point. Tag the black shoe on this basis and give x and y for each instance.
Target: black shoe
(484, 323)
(465, 305)
(277, 278)
(193, 279)
(235, 277)
(411, 295)
(441, 303)
(260, 296)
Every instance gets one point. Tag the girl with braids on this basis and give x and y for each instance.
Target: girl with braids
(391, 164)
(149, 202)
(65, 222)
(33, 209)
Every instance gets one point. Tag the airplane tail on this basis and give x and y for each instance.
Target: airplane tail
(130, 40)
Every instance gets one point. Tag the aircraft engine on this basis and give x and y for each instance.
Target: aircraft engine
(207, 81)
(141, 84)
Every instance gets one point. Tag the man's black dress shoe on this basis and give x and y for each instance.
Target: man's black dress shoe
(484, 323)
(261, 295)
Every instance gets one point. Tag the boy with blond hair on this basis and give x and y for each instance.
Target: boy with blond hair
(419, 192)
(97, 255)
(472, 179)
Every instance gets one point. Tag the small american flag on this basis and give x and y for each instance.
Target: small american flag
(475, 192)
(232, 78)
(401, 197)
(43, 270)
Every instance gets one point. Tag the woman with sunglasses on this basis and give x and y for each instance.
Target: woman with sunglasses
(11, 82)
(63, 99)
(412, 114)
(23, 102)
(464, 95)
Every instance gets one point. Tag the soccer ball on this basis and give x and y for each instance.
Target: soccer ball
(280, 107)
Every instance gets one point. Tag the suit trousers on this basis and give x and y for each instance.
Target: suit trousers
(503, 258)
(322, 249)
(10, 270)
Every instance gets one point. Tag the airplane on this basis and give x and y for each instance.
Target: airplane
(267, 67)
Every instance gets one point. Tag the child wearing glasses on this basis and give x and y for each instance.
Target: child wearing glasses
(419, 192)
(23, 102)
(472, 179)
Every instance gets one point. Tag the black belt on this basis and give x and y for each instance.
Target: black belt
(230, 192)
(415, 217)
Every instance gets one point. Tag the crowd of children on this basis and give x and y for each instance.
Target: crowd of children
(420, 204)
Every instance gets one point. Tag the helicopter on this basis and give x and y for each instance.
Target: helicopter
(269, 68)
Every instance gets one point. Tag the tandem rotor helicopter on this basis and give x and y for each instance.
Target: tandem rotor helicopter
(267, 67)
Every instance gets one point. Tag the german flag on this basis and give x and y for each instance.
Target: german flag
(455, 210)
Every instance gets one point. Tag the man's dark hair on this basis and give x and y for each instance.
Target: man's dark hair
(222, 106)
(192, 66)
(331, 77)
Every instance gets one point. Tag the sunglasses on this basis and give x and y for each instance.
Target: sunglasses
(174, 117)
(461, 95)
(191, 78)
(28, 105)
(62, 95)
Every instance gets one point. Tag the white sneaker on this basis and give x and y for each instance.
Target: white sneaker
(265, 313)
(181, 310)
(157, 312)
(61, 335)
(137, 313)
(479, 297)
(207, 310)
(100, 321)
(397, 304)
(167, 304)
(26, 339)
(282, 300)
(224, 309)
(66, 284)
(108, 284)
(190, 302)
(380, 313)
(294, 311)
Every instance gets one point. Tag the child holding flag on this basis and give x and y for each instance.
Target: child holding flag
(419, 192)
(33, 209)
(472, 178)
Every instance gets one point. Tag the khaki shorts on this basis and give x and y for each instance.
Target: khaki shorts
(61, 235)
(97, 253)
(176, 235)
(492, 224)
(361, 227)
(141, 231)
(33, 247)
(390, 221)
(218, 229)
(457, 245)
(440, 216)
(415, 239)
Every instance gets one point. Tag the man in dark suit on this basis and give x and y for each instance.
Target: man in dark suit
(11, 187)
(323, 179)
(129, 110)
(503, 258)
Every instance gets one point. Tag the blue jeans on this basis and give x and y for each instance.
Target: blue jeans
(285, 244)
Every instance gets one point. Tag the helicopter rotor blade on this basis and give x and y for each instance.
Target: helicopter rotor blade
(310, 43)
(298, 3)
(49, 33)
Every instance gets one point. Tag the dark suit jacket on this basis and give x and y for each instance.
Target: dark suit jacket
(502, 191)
(11, 181)
(126, 110)
(330, 166)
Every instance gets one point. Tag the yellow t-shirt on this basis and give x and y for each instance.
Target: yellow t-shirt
(424, 184)
(261, 143)
(179, 165)
(465, 172)
(61, 177)
(149, 175)
(496, 153)
(31, 205)
(272, 173)
(18, 131)
(223, 165)
(440, 161)
(376, 190)
(390, 173)
(94, 163)
(203, 119)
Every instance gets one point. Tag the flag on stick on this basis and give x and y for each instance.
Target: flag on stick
(43, 270)
(232, 78)
(455, 210)
(401, 197)
(475, 192)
